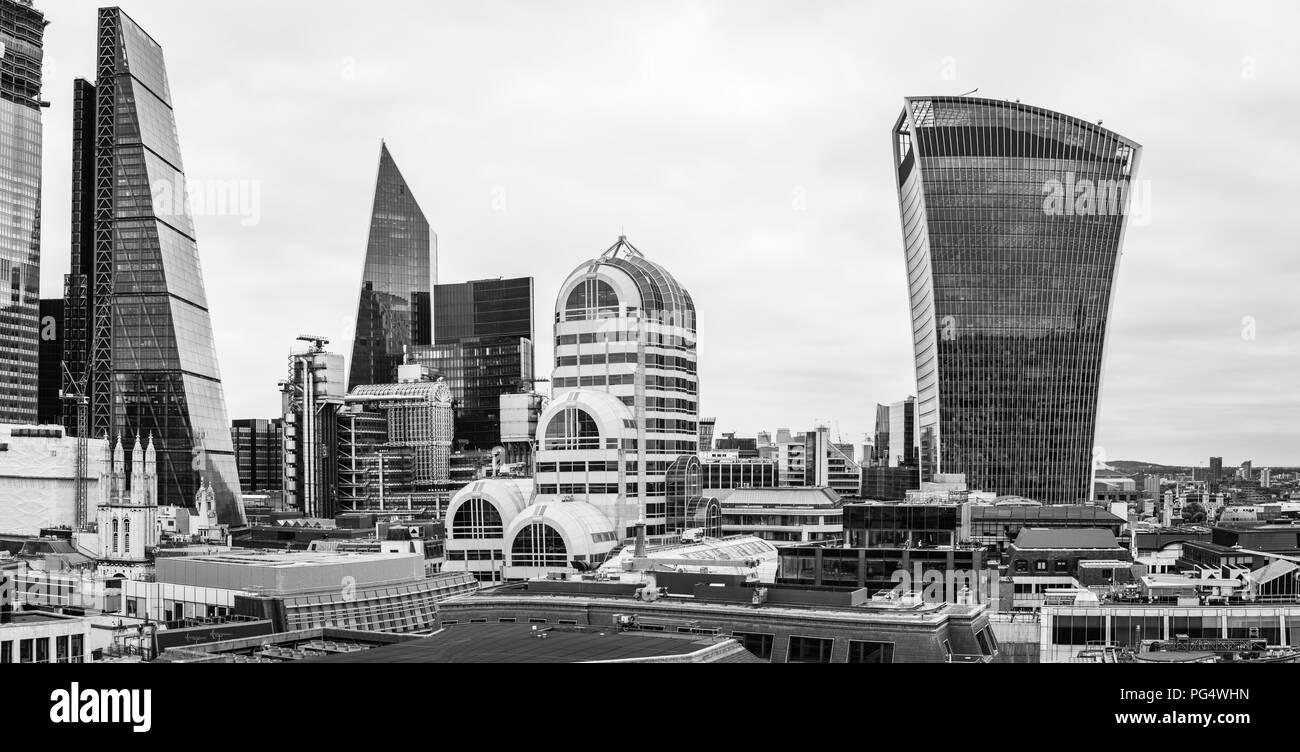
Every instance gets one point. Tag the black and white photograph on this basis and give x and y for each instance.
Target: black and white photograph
(620, 331)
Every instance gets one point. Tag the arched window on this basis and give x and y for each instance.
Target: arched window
(114, 536)
(477, 518)
(572, 428)
(126, 535)
(538, 545)
(591, 299)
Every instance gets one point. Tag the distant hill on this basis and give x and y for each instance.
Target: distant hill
(1135, 467)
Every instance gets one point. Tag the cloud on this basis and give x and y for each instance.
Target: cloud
(745, 146)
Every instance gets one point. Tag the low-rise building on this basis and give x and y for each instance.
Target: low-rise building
(778, 624)
(387, 592)
(803, 514)
(1060, 552)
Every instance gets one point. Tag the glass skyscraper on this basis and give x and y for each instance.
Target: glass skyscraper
(401, 266)
(22, 32)
(483, 347)
(1013, 217)
(138, 328)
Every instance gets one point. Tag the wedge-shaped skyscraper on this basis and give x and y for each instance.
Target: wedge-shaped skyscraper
(1013, 218)
(139, 336)
(401, 267)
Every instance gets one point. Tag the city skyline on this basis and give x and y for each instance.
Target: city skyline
(782, 186)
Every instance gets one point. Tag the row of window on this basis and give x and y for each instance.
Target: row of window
(653, 339)
(66, 649)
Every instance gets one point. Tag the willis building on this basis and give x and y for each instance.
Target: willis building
(138, 334)
(1013, 218)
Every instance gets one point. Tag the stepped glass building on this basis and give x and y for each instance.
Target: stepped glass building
(393, 309)
(138, 331)
(22, 33)
(1013, 218)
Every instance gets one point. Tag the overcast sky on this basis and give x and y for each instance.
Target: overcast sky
(745, 146)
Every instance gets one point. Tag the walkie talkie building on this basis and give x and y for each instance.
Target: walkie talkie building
(1013, 218)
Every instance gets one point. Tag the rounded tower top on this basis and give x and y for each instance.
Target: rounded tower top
(623, 281)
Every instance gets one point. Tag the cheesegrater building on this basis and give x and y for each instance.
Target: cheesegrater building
(138, 336)
(1013, 218)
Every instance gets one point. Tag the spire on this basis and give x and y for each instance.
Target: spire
(118, 458)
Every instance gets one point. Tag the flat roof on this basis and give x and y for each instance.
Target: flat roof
(870, 611)
(293, 559)
(22, 618)
(521, 643)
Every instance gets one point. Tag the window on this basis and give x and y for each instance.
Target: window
(988, 643)
(591, 299)
(572, 428)
(1040, 565)
(25, 651)
(1062, 565)
(538, 545)
(7, 652)
(861, 651)
(61, 649)
(809, 650)
(1022, 566)
(477, 518)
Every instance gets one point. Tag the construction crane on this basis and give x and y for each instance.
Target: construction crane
(318, 342)
(83, 445)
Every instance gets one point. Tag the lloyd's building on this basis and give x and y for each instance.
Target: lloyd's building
(1013, 219)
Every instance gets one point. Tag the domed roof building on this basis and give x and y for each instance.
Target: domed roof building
(617, 446)
(625, 326)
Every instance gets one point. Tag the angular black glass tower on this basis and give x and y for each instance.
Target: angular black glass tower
(401, 266)
(1013, 218)
(483, 347)
(139, 336)
(22, 32)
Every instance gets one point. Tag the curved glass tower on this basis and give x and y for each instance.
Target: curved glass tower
(393, 311)
(1013, 218)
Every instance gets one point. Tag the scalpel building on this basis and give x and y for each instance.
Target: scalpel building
(1013, 218)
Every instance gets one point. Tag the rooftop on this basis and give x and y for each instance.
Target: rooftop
(1040, 538)
(525, 643)
(790, 496)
